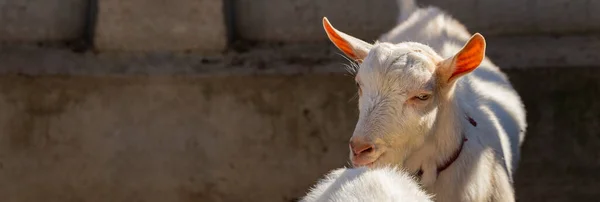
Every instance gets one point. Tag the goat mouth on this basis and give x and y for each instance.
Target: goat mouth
(368, 165)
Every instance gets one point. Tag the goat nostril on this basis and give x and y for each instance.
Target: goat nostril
(358, 147)
(364, 150)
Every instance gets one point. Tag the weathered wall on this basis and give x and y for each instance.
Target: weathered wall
(300, 21)
(261, 125)
(253, 138)
(514, 17)
(184, 25)
(295, 21)
(159, 25)
(261, 122)
(560, 156)
(169, 139)
(42, 20)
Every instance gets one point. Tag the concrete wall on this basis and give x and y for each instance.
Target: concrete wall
(42, 20)
(160, 25)
(202, 25)
(300, 21)
(256, 138)
(514, 17)
(169, 139)
(296, 21)
(560, 156)
(158, 112)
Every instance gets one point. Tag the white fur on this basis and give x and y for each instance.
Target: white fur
(365, 185)
(423, 134)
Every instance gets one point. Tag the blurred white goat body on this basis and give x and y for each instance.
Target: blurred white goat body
(430, 102)
(367, 185)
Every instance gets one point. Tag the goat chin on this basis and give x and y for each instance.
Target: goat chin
(367, 184)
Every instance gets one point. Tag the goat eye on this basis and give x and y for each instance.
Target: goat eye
(423, 97)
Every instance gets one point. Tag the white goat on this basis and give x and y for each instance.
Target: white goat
(364, 185)
(442, 111)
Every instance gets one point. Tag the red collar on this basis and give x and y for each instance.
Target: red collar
(453, 157)
(456, 153)
(449, 162)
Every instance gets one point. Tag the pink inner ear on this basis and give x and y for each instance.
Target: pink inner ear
(337, 40)
(469, 58)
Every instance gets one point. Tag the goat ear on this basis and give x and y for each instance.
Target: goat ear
(354, 48)
(465, 61)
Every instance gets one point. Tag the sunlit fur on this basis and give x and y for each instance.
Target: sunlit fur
(364, 185)
(389, 116)
(416, 134)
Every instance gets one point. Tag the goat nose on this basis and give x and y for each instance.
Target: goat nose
(359, 147)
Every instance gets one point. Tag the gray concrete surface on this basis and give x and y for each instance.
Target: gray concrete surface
(247, 138)
(169, 139)
(560, 155)
(200, 25)
(298, 21)
(307, 58)
(42, 20)
(513, 17)
(158, 25)
(259, 124)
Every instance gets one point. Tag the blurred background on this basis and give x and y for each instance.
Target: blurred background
(246, 100)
